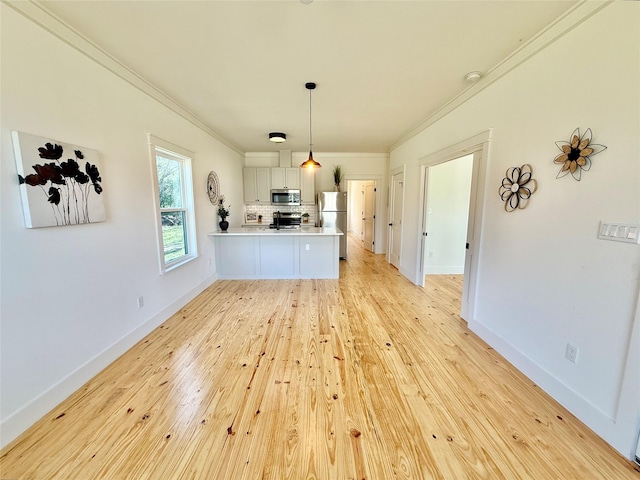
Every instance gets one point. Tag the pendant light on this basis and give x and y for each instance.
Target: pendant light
(310, 162)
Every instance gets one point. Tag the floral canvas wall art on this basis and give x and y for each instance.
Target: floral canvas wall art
(60, 183)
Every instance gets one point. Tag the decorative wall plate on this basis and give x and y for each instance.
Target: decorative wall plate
(517, 187)
(213, 187)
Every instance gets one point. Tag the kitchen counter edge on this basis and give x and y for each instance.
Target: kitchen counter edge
(253, 231)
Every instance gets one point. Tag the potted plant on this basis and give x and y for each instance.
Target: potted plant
(259, 218)
(223, 213)
(305, 217)
(337, 176)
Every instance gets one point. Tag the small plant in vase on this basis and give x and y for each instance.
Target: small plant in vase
(223, 213)
(305, 217)
(337, 176)
(259, 218)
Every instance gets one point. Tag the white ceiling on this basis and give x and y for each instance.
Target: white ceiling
(382, 67)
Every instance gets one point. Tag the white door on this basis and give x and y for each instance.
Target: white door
(369, 213)
(395, 220)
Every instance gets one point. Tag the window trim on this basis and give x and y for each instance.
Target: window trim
(161, 147)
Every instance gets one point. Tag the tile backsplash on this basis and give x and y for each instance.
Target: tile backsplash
(267, 211)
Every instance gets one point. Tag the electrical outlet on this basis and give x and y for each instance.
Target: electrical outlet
(571, 353)
(140, 302)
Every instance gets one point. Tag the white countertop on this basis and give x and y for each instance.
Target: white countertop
(255, 231)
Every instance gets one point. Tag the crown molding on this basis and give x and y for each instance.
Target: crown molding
(37, 12)
(560, 27)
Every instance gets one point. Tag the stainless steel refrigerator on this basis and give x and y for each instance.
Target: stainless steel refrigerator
(332, 213)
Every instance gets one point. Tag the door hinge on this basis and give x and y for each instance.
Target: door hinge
(425, 234)
(375, 189)
(467, 247)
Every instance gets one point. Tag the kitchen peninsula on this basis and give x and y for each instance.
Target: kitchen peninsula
(266, 253)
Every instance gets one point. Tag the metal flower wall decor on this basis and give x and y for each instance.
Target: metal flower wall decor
(517, 187)
(576, 154)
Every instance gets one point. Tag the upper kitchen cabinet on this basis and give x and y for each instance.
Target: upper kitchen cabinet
(257, 185)
(288, 177)
(308, 187)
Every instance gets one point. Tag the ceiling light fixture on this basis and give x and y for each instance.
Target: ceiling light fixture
(472, 77)
(310, 163)
(278, 137)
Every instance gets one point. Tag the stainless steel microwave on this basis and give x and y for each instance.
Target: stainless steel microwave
(285, 197)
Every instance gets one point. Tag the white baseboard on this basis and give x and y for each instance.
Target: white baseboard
(12, 426)
(451, 270)
(594, 418)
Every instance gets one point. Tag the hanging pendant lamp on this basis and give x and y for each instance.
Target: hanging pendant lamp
(310, 162)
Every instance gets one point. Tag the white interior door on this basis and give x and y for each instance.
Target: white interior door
(395, 218)
(368, 216)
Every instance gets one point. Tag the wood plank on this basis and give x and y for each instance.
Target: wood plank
(365, 377)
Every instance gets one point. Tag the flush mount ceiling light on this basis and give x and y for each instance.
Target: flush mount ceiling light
(472, 77)
(278, 137)
(310, 162)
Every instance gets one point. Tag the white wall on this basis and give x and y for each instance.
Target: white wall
(544, 278)
(448, 215)
(69, 293)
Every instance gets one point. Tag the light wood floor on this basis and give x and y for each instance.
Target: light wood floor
(368, 377)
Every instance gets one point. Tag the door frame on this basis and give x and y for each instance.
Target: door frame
(393, 173)
(478, 145)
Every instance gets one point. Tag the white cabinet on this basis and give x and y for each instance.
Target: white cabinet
(257, 185)
(285, 177)
(242, 254)
(308, 187)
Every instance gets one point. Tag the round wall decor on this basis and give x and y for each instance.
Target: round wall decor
(213, 187)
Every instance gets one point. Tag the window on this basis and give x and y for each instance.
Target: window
(174, 204)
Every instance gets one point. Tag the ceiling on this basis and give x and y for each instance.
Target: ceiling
(381, 67)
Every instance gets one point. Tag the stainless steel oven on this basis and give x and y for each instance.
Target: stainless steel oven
(286, 220)
(285, 197)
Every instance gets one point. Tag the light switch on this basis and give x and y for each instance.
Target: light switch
(619, 232)
(604, 229)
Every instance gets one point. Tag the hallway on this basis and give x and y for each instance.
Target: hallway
(366, 377)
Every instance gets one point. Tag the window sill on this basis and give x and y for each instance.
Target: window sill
(179, 263)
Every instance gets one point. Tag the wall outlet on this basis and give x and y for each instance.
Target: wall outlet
(571, 353)
(140, 302)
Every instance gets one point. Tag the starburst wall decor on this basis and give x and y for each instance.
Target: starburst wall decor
(576, 154)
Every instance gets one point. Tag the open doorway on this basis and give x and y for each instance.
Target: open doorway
(453, 161)
(448, 193)
(361, 216)
(362, 206)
